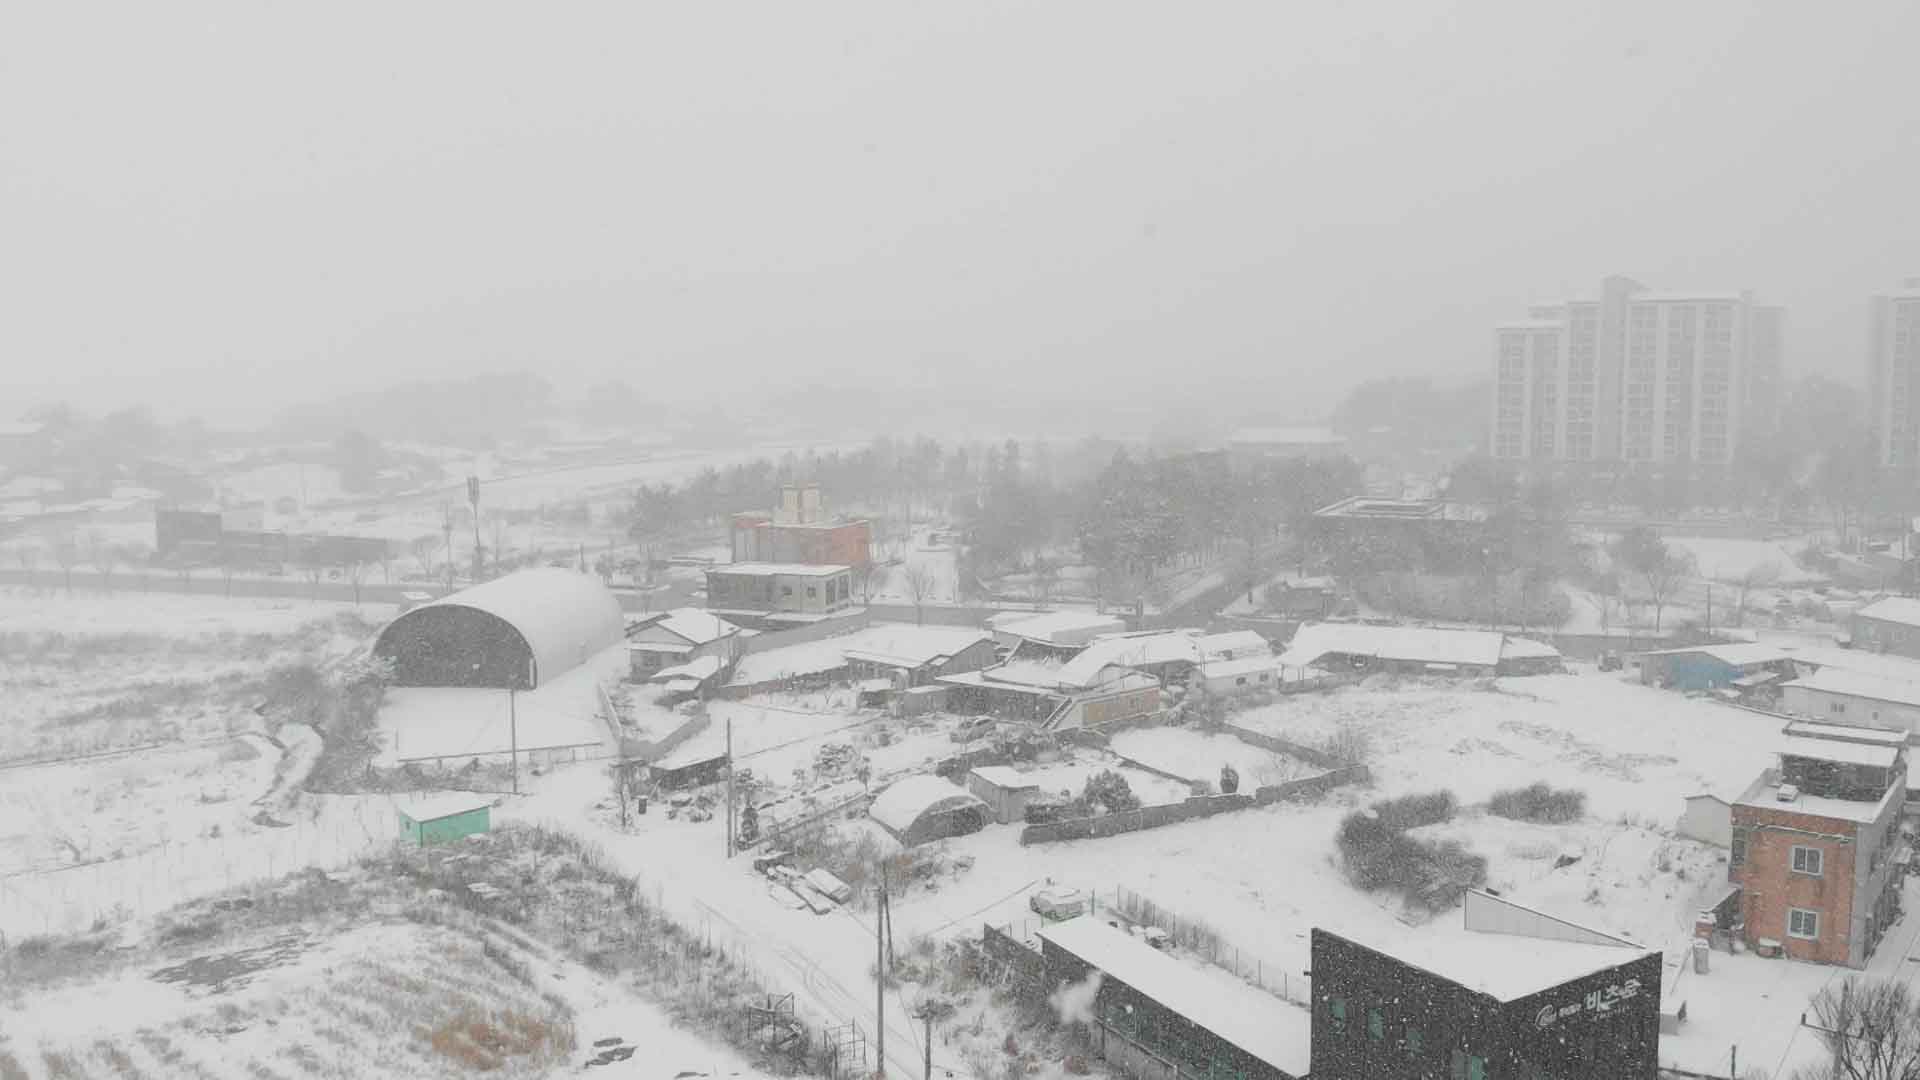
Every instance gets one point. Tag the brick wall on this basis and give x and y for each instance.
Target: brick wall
(1770, 887)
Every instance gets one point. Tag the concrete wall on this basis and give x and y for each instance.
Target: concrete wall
(1849, 708)
(1199, 806)
(847, 623)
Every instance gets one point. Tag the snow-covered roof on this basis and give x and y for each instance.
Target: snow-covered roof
(901, 645)
(1286, 436)
(1232, 644)
(1764, 794)
(1005, 776)
(1259, 1024)
(1736, 654)
(901, 805)
(1519, 648)
(806, 658)
(1858, 684)
(1505, 967)
(1885, 665)
(563, 616)
(696, 626)
(1411, 643)
(1895, 609)
(1025, 673)
(1063, 627)
(1845, 753)
(1246, 665)
(441, 805)
(427, 722)
(698, 669)
(763, 569)
(1816, 729)
(1128, 650)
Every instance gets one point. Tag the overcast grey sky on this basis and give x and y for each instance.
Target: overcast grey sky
(210, 208)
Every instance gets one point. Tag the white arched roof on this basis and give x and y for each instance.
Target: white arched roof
(565, 617)
(901, 805)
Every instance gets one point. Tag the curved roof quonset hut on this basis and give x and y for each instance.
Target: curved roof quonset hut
(922, 808)
(515, 632)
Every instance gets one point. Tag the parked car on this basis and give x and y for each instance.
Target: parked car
(1056, 902)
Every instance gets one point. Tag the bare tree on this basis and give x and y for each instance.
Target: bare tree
(919, 583)
(185, 571)
(1659, 566)
(1045, 579)
(28, 556)
(1870, 1029)
(66, 554)
(103, 556)
(422, 549)
(356, 573)
(1756, 577)
(872, 575)
(138, 558)
(446, 531)
(227, 568)
(313, 570)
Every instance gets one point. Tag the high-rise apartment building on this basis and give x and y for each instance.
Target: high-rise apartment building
(1894, 364)
(1637, 376)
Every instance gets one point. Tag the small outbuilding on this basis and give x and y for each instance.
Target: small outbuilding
(1006, 791)
(1708, 819)
(921, 809)
(1713, 667)
(441, 818)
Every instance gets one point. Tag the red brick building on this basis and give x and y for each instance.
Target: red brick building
(799, 532)
(1816, 847)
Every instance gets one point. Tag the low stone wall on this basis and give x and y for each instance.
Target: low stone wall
(1312, 786)
(1199, 806)
(651, 750)
(1147, 817)
(1278, 745)
(858, 619)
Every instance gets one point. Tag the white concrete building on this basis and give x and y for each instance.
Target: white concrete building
(1637, 376)
(1892, 366)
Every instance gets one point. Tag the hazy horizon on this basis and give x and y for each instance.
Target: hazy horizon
(222, 210)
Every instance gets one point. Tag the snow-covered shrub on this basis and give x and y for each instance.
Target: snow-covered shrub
(1377, 853)
(1107, 792)
(1539, 803)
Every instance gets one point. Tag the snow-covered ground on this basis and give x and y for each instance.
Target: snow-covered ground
(1730, 560)
(1199, 756)
(934, 560)
(422, 723)
(60, 815)
(387, 998)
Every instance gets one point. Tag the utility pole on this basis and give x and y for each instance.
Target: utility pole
(513, 738)
(729, 787)
(926, 1041)
(473, 499)
(880, 975)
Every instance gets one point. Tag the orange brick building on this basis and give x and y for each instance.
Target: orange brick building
(799, 532)
(1816, 851)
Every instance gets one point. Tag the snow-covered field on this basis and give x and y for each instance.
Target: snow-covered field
(1723, 559)
(1199, 756)
(96, 671)
(59, 815)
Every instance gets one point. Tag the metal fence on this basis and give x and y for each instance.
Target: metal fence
(1269, 972)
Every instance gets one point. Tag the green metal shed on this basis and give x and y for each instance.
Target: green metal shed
(438, 819)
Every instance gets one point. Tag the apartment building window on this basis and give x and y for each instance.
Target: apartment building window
(1737, 848)
(1415, 1042)
(1802, 923)
(1376, 1025)
(1837, 707)
(1806, 860)
(1337, 1012)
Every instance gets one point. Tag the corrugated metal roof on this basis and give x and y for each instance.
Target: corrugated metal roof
(564, 617)
(1895, 609)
